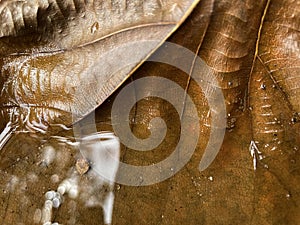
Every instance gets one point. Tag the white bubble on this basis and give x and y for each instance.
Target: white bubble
(73, 193)
(56, 202)
(50, 195)
(48, 204)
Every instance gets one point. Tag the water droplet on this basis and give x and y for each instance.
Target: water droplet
(82, 15)
(263, 86)
(200, 194)
(267, 145)
(94, 27)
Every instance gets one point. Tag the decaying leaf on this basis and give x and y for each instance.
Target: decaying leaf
(255, 177)
(52, 52)
(253, 48)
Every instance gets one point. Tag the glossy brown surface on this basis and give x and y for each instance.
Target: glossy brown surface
(52, 52)
(253, 48)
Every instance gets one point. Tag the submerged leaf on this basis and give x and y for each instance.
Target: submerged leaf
(253, 48)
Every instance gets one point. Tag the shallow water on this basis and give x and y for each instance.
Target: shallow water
(233, 190)
(49, 179)
(53, 174)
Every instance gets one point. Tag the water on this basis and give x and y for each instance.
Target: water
(41, 182)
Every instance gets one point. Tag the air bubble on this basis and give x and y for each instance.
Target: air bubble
(73, 193)
(56, 202)
(61, 189)
(50, 195)
(48, 204)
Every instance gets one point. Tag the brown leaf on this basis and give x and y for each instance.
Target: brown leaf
(52, 52)
(255, 177)
(253, 49)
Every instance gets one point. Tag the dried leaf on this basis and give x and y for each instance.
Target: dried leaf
(253, 49)
(52, 53)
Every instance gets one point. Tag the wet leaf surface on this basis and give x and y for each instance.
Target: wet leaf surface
(253, 49)
(50, 49)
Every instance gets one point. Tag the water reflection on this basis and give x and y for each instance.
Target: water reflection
(48, 179)
(5, 134)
